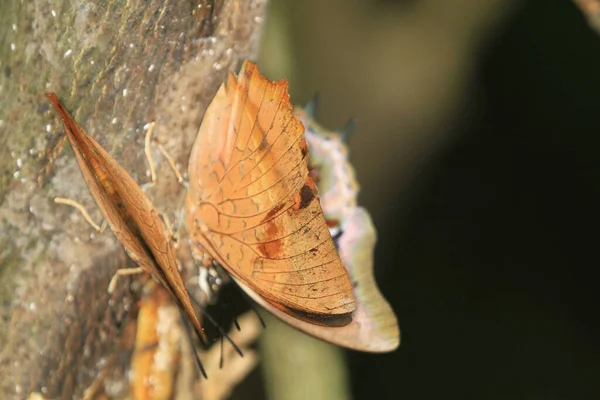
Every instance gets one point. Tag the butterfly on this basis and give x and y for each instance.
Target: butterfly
(253, 208)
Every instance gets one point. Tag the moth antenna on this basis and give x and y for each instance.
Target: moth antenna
(312, 105)
(237, 324)
(216, 325)
(348, 129)
(188, 329)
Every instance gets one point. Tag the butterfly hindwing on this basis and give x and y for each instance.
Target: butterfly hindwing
(254, 208)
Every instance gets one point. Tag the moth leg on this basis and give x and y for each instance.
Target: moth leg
(147, 150)
(120, 273)
(100, 228)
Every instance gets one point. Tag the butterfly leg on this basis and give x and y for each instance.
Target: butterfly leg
(61, 200)
(211, 276)
(100, 228)
(122, 272)
(148, 152)
(148, 140)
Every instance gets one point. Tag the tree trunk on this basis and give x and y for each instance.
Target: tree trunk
(116, 67)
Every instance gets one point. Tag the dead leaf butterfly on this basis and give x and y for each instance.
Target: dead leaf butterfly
(254, 208)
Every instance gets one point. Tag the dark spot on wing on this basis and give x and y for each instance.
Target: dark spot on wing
(271, 248)
(303, 148)
(264, 145)
(306, 196)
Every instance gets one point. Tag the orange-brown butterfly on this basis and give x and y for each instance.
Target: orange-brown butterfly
(252, 206)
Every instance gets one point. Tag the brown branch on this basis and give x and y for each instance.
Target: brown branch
(117, 66)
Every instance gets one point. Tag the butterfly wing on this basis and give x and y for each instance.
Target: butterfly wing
(253, 207)
(374, 326)
(129, 213)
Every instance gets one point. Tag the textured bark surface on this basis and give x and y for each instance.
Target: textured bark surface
(117, 67)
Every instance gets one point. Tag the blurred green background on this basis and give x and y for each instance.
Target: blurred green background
(477, 152)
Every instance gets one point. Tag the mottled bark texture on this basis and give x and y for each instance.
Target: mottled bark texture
(117, 65)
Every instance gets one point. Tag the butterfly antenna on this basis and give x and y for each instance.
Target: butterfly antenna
(260, 318)
(188, 329)
(251, 305)
(221, 358)
(216, 325)
(312, 105)
(348, 129)
(235, 320)
(222, 343)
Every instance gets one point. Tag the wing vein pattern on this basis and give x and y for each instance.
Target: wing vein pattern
(252, 204)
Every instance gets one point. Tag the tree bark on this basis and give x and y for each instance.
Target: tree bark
(117, 67)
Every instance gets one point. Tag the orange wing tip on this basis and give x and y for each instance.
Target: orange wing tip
(70, 125)
(57, 104)
(249, 69)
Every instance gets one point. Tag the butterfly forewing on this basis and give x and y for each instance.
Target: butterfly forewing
(129, 213)
(254, 208)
